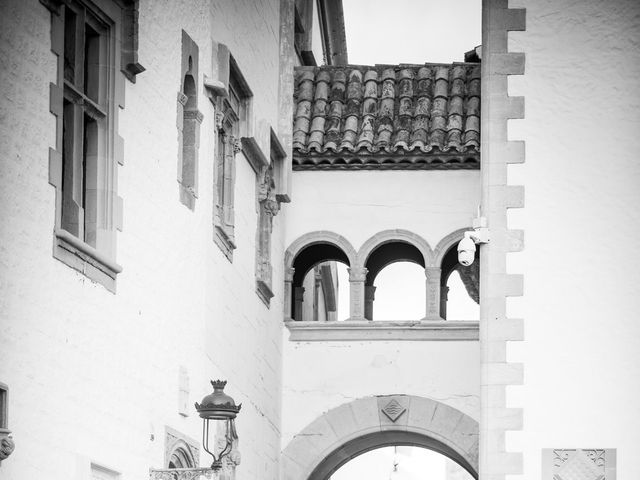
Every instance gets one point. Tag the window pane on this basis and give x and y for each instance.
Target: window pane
(69, 45)
(92, 64)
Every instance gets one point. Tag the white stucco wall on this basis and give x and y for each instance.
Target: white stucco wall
(582, 180)
(320, 376)
(359, 204)
(93, 376)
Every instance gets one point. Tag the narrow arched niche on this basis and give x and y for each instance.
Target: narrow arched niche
(189, 120)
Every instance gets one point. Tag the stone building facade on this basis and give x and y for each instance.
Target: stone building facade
(171, 172)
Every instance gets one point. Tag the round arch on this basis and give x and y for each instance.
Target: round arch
(446, 243)
(181, 456)
(397, 235)
(314, 238)
(356, 427)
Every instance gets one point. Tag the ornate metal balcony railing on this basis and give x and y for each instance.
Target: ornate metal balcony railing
(181, 474)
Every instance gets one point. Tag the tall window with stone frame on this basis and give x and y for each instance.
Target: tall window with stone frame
(89, 88)
(85, 120)
(232, 113)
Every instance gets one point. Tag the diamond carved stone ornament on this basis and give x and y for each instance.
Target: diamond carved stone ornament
(576, 464)
(393, 410)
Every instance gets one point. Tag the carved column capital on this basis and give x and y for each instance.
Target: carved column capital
(357, 274)
(288, 274)
(236, 144)
(432, 272)
(218, 120)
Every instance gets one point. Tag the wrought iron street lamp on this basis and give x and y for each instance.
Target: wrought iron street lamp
(218, 406)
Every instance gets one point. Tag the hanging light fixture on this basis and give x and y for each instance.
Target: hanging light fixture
(218, 407)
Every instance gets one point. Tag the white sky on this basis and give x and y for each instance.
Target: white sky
(392, 32)
(411, 31)
(411, 463)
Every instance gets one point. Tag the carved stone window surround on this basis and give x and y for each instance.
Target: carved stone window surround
(89, 211)
(231, 96)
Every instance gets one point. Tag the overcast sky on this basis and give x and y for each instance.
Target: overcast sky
(411, 31)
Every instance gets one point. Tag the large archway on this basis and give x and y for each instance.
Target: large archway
(356, 427)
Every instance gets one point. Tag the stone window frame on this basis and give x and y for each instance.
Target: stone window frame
(232, 98)
(114, 23)
(188, 121)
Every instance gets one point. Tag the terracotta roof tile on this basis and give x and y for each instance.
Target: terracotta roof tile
(387, 116)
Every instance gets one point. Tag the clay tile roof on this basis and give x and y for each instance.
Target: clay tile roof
(392, 117)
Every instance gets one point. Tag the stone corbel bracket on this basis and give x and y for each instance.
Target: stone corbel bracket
(214, 89)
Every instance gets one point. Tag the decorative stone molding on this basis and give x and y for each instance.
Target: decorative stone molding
(353, 428)
(268, 207)
(364, 330)
(183, 474)
(497, 153)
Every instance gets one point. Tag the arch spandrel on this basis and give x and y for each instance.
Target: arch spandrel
(353, 428)
(396, 235)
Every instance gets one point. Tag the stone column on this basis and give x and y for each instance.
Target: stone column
(357, 277)
(369, 297)
(299, 297)
(433, 275)
(288, 280)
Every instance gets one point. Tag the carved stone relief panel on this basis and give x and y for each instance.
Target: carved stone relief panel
(578, 464)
